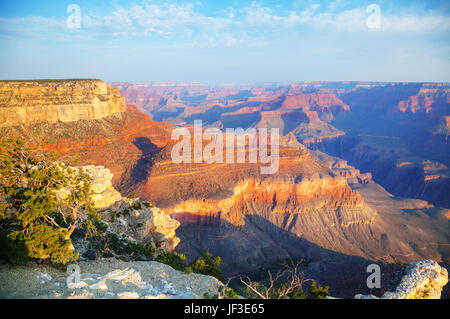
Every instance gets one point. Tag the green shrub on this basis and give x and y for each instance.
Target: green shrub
(114, 245)
(318, 291)
(229, 294)
(133, 195)
(207, 265)
(40, 221)
(14, 252)
(149, 204)
(297, 293)
(141, 251)
(175, 260)
(43, 242)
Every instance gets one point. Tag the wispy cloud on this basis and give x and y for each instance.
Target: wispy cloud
(164, 20)
(351, 20)
(229, 27)
(251, 41)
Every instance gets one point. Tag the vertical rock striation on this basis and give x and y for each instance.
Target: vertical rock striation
(29, 102)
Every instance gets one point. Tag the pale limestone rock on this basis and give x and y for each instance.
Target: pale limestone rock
(112, 279)
(134, 219)
(140, 223)
(161, 296)
(162, 227)
(128, 295)
(105, 194)
(76, 285)
(423, 280)
(101, 285)
(125, 275)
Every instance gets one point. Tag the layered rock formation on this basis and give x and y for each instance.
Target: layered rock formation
(431, 98)
(444, 127)
(30, 102)
(314, 101)
(396, 164)
(125, 143)
(392, 131)
(306, 210)
(343, 169)
(286, 107)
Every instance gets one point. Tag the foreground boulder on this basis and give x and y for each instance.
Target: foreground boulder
(423, 280)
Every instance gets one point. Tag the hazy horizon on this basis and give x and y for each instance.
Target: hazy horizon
(266, 83)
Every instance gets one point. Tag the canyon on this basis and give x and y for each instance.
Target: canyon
(398, 132)
(334, 200)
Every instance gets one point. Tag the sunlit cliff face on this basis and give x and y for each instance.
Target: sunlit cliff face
(282, 197)
(52, 101)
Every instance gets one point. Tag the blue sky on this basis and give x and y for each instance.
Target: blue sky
(227, 41)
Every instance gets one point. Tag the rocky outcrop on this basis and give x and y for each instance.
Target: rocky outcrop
(139, 222)
(29, 102)
(105, 279)
(343, 169)
(431, 98)
(416, 103)
(444, 127)
(423, 280)
(131, 218)
(104, 194)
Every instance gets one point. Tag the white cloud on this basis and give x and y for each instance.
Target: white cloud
(158, 19)
(348, 20)
(227, 28)
(412, 23)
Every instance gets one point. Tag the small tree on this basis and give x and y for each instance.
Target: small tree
(43, 201)
(318, 291)
(223, 292)
(207, 265)
(175, 260)
(291, 289)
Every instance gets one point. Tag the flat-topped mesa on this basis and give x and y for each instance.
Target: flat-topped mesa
(314, 101)
(51, 101)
